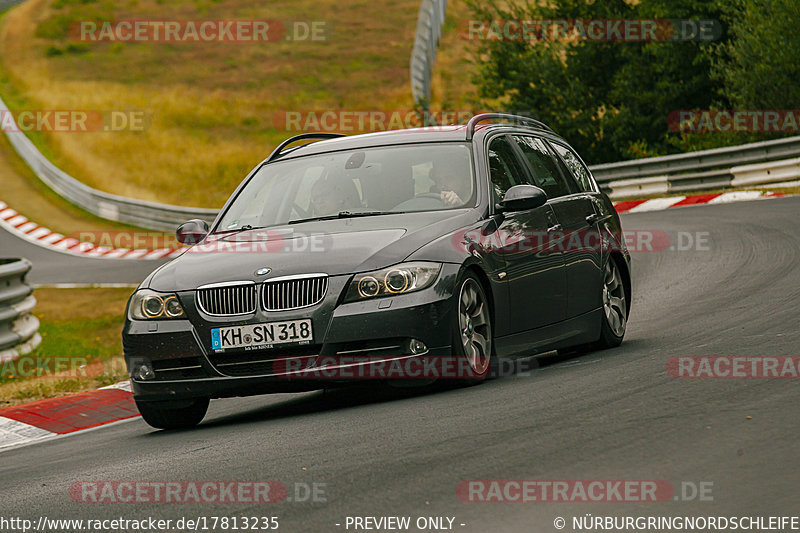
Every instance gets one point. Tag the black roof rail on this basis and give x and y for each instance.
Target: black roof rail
(287, 142)
(527, 121)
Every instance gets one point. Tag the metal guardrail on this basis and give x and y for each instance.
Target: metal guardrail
(729, 156)
(19, 328)
(429, 30)
(8, 4)
(150, 215)
(705, 169)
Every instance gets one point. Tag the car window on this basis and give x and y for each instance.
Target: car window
(579, 171)
(504, 168)
(426, 177)
(546, 173)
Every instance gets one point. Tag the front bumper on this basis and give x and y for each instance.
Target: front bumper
(357, 334)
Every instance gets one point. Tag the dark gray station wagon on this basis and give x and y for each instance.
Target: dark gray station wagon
(422, 253)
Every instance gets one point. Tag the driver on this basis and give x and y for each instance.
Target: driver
(330, 196)
(453, 186)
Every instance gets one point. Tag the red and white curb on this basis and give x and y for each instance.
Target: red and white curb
(659, 204)
(42, 420)
(32, 232)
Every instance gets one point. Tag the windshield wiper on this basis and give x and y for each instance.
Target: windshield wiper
(246, 227)
(345, 214)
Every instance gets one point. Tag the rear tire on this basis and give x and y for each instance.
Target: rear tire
(472, 336)
(165, 415)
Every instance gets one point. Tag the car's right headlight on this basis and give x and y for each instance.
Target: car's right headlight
(151, 305)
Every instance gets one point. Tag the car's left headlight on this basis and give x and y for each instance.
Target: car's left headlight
(398, 279)
(151, 305)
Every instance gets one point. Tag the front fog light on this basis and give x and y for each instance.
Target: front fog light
(416, 347)
(142, 371)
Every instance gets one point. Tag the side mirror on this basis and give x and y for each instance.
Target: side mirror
(523, 197)
(192, 232)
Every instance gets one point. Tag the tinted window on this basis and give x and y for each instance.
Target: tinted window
(504, 167)
(546, 173)
(574, 164)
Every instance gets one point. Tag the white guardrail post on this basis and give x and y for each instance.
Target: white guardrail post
(19, 328)
(423, 56)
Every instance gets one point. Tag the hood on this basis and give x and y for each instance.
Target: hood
(334, 247)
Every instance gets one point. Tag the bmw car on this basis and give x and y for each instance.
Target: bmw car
(342, 257)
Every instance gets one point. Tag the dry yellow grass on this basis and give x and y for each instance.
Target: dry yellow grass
(209, 105)
(23, 191)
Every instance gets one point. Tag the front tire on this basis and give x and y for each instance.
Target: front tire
(615, 307)
(173, 414)
(472, 329)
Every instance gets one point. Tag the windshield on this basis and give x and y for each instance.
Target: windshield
(398, 179)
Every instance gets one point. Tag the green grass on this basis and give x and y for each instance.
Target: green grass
(81, 346)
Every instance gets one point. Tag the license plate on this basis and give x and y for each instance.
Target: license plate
(266, 335)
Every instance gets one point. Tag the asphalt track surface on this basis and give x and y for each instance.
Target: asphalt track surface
(612, 415)
(51, 267)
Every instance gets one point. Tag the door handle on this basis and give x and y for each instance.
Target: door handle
(554, 227)
(592, 219)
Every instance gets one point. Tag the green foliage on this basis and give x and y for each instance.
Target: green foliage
(760, 67)
(610, 99)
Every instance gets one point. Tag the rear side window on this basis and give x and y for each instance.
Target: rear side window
(504, 168)
(575, 166)
(546, 173)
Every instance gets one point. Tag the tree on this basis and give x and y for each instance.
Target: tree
(610, 99)
(760, 66)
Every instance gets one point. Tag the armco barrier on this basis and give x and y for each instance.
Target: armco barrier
(429, 31)
(19, 329)
(762, 173)
(727, 157)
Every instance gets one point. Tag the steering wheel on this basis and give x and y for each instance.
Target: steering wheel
(435, 195)
(421, 202)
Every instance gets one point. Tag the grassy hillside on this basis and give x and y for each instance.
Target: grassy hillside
(209, 106)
